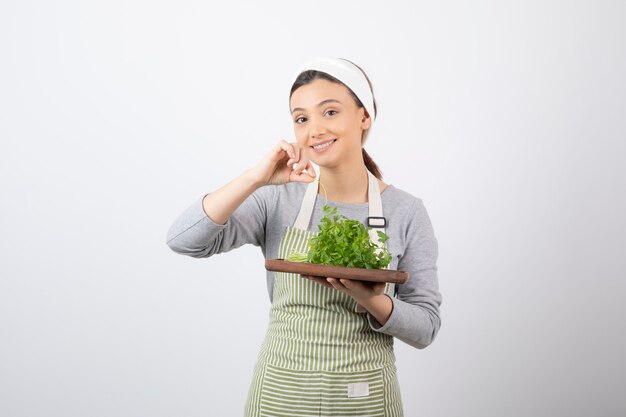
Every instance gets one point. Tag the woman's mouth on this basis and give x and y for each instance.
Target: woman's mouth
(324, 146)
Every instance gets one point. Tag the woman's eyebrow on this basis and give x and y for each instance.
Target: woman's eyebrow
(321, 103)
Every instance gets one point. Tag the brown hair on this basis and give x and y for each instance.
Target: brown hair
(306, 77)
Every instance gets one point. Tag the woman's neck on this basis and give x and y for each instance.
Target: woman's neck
(344, 184)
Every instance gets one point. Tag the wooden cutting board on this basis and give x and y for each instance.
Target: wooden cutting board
(359, 274)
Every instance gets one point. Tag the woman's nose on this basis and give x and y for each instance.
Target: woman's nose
(316, 128)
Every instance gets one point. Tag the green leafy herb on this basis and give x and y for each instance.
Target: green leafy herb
(344, 242)
(297, 257)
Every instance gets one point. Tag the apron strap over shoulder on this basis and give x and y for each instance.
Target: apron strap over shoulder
(306, 209)
(375, 219)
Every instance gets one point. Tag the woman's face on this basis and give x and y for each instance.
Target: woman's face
(322, 111)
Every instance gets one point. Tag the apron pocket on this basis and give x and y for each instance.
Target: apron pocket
(288, 392)
(355, 394)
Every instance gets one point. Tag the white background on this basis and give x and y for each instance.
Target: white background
(506, 118)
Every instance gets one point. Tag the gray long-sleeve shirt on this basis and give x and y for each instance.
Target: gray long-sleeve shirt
(262, 218)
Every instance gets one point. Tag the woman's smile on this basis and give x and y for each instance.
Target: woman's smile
(323, 147)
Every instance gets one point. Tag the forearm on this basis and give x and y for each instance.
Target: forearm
(240, 208)
(379, 306)
(413, 324)
(222, 203)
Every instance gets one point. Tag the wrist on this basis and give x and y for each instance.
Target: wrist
(250, 176)
(379, 307)
(372, 300)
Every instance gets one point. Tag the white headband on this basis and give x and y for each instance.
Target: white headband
(350, 75)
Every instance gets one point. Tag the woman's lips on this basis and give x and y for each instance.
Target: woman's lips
(325, 148)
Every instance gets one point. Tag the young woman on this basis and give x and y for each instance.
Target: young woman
(329, 345)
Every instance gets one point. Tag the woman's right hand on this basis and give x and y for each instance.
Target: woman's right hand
(277, 167)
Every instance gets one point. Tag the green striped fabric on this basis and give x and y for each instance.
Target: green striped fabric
(310, 393)
(315, 347)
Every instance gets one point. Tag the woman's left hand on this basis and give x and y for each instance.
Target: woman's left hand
(358, 290)
(370, 295)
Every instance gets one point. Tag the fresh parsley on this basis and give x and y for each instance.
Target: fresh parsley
(344, 242)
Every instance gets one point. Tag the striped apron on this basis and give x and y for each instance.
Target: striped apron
(320, 357)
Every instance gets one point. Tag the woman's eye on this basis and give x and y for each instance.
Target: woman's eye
(299, 118)
(334, 111)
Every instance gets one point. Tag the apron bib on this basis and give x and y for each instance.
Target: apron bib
(320, 357)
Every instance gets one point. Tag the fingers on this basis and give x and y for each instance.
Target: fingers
(298, 174)
(319, 280)
(287, 147)
(311, 170)
(340, 284)
(337, 283)
(304, 171)
(351, 287)
(291, 149)
(295, 156)
(357, 288)
(305, 164)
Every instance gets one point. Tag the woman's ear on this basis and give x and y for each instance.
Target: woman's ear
(366, 120)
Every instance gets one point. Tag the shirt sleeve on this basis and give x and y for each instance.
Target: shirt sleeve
(194, 233)
(415, 315)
